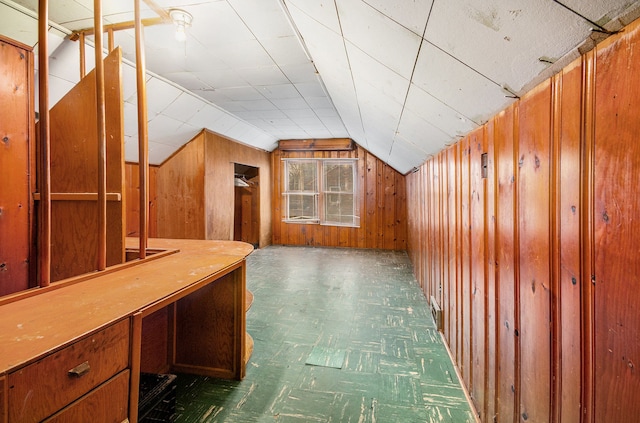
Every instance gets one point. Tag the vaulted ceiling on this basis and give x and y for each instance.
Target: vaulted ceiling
(402, 78)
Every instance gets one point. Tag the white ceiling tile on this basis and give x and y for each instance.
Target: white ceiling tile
(162, 127)
(300, 113)
(216, 23)
(509, 36)
(281, 91)
(184, 107)
(382, 38)
(405, 156)
(241, 93)
(158, 152)
(266, 25)
(458, 86)
(263, 75)
(412, 15)
(310, 89)
(437, 113)
(322, 11)
(600, 12)
(187, 80)
(227, 78)
(290, 103)
(254, 105)
(414, 129)
(369, 72)
(206, 117)
(130, 120)
(160, 94)
(286, 51)
(18, 26)
(300, 73)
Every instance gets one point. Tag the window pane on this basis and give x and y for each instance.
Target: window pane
(302, 207)
(301, 176)
(338, 208)
(338, 177)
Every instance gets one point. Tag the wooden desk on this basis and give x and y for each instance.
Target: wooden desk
(200, 289)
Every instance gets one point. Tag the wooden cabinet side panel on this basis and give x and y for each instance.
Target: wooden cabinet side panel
(616, 216)
(210, 328)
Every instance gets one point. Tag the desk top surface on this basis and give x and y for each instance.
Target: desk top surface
(33, 326)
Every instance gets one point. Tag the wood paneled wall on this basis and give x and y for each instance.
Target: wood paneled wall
(196, 193)
(536, 266)
(383, 213)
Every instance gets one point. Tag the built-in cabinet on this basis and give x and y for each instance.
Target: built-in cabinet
(85, 364)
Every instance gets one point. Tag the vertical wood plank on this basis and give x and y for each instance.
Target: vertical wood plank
(477, 253)
(534, 246)
(569, 210)
(506, 255)
(465, 261)
(616, 213)
(451, 316)
(491, 271)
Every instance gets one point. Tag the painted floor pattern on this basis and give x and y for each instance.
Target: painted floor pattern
(341, 335)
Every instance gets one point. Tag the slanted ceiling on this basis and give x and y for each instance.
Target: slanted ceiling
(401, 78)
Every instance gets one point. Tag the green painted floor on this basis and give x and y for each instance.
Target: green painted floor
(341, 335)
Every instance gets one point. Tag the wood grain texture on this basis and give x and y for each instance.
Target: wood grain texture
(108, 403)
(196, 193)
(34, 396)
(569, 212)
(382, 206)
(16, 166)
(3, 400)
(616, 213)
(560, 317)
(132, 195)
(74, 168)
(506, 255)
(478, 269)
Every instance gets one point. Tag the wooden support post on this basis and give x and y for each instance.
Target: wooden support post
(111, 40)
(102, 138)
(83, 69)
(44, 176)
(143, 150)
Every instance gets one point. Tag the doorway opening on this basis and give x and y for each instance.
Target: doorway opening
(246, 222)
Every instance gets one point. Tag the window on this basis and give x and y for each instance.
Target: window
(321, 191)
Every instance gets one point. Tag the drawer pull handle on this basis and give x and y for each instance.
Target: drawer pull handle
(80, 370)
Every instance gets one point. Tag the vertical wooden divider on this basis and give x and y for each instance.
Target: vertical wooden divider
(102, 138)
(81, 45)
(143, 150)
(44, 178)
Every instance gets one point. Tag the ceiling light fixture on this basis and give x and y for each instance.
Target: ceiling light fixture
(182, 20)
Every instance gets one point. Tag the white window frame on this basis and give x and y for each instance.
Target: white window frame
(321, 194)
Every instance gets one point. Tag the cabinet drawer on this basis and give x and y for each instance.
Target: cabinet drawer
(46, 386)
(108, 403)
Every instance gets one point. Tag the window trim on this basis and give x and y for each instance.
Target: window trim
(320, 191)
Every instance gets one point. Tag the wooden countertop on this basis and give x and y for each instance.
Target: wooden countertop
(39, 324)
